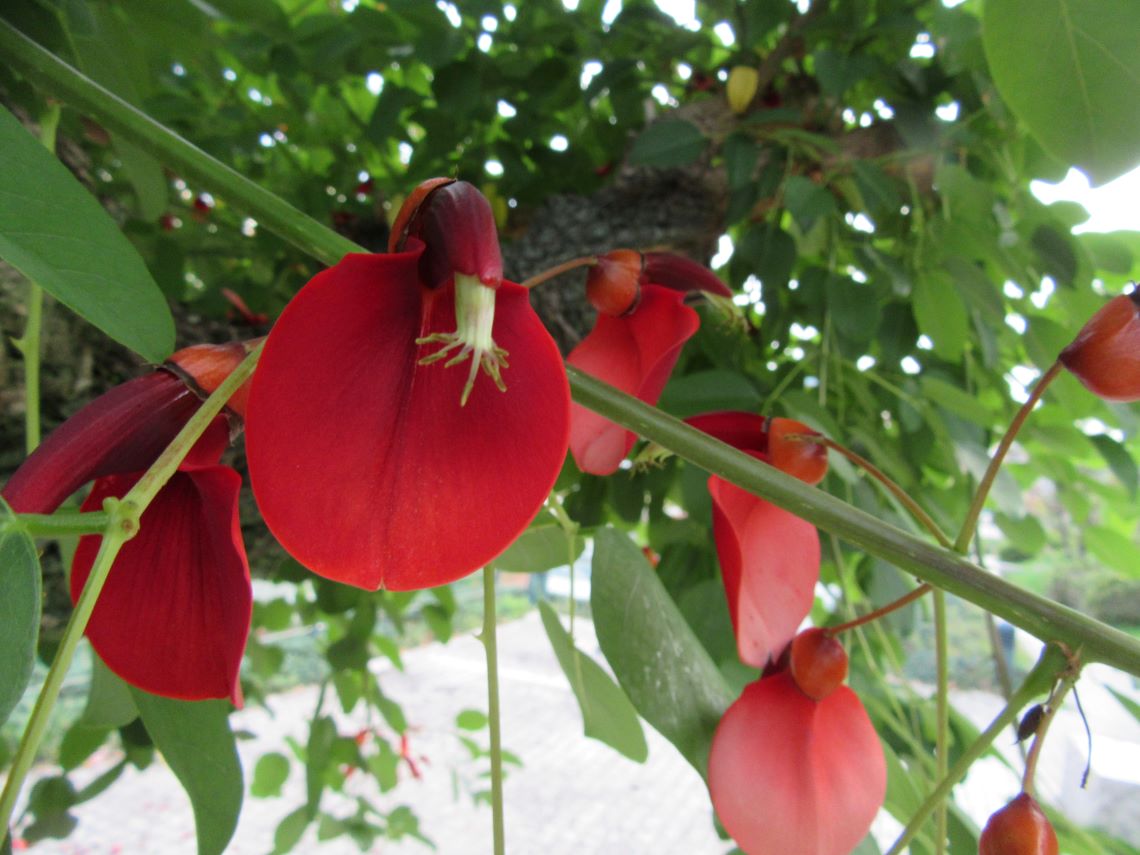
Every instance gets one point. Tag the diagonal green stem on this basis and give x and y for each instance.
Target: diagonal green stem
(1052, 663)
(942, 715)
(1037, 615)
(122, 524)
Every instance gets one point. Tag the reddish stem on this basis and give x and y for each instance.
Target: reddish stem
(551, 272)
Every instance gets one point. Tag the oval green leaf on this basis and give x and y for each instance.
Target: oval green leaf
(198, 744)
(19, 609)
(655, 656)
(607, 713)
(1070, 71)
(55, 233)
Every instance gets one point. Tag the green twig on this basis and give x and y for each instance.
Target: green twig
(122, 524)
(494, 723)
(63, 523)
(942, 716)
(1036, 615)
(1052, 663)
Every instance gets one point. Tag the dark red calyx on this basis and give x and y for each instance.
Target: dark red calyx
(1019, 828)
(1105, 355)
(457, 226)
(682, 274)
(613, 285)
(818, 663)
(800, 458)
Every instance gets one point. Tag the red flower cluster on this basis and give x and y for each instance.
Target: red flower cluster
(643, 322)
(795, 767)
(174, 614)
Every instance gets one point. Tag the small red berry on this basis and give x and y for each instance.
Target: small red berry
(613, 285)
(818, 663)
(1019, 828)
(797, 457)
(1105, 355)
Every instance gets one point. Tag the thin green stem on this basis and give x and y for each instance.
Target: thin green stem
(63, 523)
(1028, 779)
(29, 346)
(122, 524)
(966, 534)
(942, 715)
(1036, 615)
(494, 719)
(1052, 663)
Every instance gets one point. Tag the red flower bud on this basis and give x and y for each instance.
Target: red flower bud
(682, 274)
(818, 663)
(1105, 355)
(1019, 828)
(457, 224)
(800, 458)
(613, 285)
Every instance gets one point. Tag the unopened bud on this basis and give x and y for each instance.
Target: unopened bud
(743, 81)
(613, 285)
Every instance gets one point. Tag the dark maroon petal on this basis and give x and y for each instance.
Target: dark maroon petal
(457, 226)
(123, 430)
(636, 353)
(174, 614)
(364, 463)
(682, 274)
(745, 431)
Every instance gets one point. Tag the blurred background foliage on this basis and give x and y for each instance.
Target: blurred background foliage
(899, 287)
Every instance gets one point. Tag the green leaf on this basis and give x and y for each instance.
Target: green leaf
(654, 654)
(110, 703)
(941, 314)
(1119, 461)
(56, 234)
(1127, 703)
(19, 609)
(540, 548)
(703, 391)
(607, 713)
(956, 401)
(1070, 71)
(198, 744)
(1025, 533)
(269, 775)
(1113, 549)
(471, 720)
(670, 142)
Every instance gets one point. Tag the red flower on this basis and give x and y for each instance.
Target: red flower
(642, 325)
(790, 775)
(174, 614)
(1105, 355)
(769, 557)
(373, 461)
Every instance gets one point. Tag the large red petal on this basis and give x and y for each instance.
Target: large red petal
(123, 430)
(792, 776)
(174, 614)
(364, 464)
(769, 559)
(636, 353)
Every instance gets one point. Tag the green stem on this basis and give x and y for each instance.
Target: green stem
(1052, 662)
(494, 723)
(1036, 615)
(63, 523)
(122, 524)
(942, 715)
(29, 346)
(967, 531)
(1028, 779)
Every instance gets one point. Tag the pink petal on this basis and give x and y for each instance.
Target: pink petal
(769, 559)
(364, 464)
(123, 430)
(174, 614)
(636, 353)
(793, 776)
